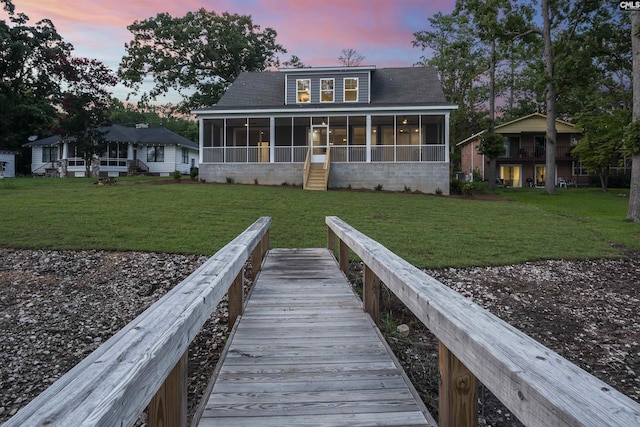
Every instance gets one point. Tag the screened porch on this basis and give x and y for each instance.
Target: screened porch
(357, 138)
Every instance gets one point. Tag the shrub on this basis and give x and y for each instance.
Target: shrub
(378, 187)
(407, 189)
(439, 191)
(467, 189)
(455, 186)
(255, 181)
(230, 180)
(194, 173)
(176, 175)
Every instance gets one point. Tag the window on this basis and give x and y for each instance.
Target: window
(303, 90)
(49, 154)
(326, 90)
(155, 154)
(579, 169)
(351, 89)
(185, 155)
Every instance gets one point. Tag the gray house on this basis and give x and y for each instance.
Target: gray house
(356, 127)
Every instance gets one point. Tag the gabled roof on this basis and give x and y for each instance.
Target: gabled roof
(408, 86)
(533, 123)
(119, 133)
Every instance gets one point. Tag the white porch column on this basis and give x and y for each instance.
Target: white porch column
(272, 139)
(446, 137)
(65, 150)
(368, 138)
(200, 141)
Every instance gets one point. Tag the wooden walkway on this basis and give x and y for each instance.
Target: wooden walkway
(305, 353)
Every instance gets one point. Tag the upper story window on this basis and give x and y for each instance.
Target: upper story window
(303, 90)
(351, 89)
(326, 90)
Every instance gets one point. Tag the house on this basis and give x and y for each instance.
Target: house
(7, 164)
(126, 151)
(356, 127)
(523, 163)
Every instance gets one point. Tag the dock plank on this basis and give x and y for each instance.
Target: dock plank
(305, 353)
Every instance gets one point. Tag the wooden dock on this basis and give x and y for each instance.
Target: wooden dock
(305, 353)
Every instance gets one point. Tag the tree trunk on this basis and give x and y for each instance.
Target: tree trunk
(550, 174)
(492, 174)
(633, 214)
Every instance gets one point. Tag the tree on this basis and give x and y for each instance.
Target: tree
(460, 61)
(601, 144)
(294, 62)
(492, 146)
(85, 104)
(30, 76)
(351, 57)
(198, 54)
(633, 132)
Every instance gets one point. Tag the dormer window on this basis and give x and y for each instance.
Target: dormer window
(303, 90)
(351, 89)
(326, 90)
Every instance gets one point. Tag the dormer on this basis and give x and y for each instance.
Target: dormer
(327, 85)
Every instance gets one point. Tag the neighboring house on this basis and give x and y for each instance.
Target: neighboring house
(357, 127)
(524, 161)
(127, 151)
(7, 164)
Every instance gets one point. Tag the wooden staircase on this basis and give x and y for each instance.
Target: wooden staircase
(316, 179)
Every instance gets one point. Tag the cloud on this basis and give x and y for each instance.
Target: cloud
(315, 31)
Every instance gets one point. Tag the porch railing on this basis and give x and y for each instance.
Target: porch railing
(340, 154)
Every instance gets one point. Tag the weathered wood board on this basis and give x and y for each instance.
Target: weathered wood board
(305, 353)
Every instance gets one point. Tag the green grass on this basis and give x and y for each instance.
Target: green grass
(426, 230)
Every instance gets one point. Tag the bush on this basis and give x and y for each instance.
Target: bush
(455, 186)
(467, 189)
(194, 173)
(230, 180)
(407, 189)
(378, 187)
(176, 175)
(439, 191)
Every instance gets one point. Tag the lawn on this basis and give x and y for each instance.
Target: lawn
(428, 231)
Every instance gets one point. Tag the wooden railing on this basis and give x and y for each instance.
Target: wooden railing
(539, 386)
(144, 364)
(307, 167)
(327, 165)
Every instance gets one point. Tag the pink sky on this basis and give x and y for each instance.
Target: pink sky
(314, 30)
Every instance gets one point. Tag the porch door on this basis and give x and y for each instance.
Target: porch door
(319, 143)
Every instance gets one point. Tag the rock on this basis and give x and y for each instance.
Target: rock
(403, 330)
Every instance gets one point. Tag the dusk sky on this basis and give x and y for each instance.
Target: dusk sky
(315, 31)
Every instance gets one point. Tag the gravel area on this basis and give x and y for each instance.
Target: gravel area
(58, 306)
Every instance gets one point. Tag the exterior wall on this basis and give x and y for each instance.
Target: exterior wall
(247, 173)
(424, 177)
(338, 85)
(10, 165)
(470, 159)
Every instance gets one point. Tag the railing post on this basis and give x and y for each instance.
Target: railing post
(235, 297)
(344, 257)
(458, 392)
(168, 408)
(264, 244)
(331, 241)
(371, 293)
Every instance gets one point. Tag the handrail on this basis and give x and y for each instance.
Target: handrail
(307, 166)
(327, 165)
(538, 385)
(113, 385)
